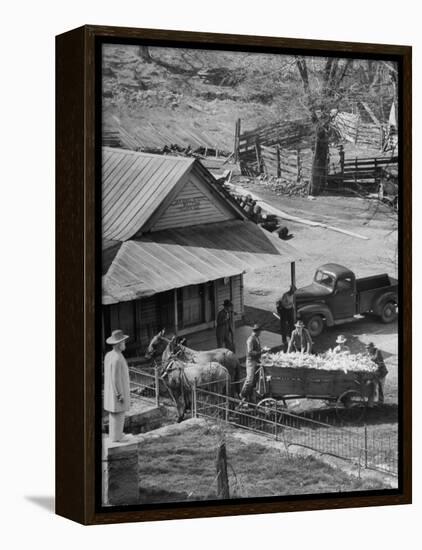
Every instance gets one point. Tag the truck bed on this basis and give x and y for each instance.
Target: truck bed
(374, 282)
(369, 287)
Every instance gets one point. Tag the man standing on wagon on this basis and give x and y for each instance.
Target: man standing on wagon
(225, 326)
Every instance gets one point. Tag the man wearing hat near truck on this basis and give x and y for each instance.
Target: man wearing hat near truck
(253, 355)
(300, 339)
(225, 326)
(286, 313)
(381, 372)
(116, 385)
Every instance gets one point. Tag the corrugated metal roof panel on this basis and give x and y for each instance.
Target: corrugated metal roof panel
(176, 258)
(134, 185)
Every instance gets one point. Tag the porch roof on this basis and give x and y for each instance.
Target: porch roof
(175, 258)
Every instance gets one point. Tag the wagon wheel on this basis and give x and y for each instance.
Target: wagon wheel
(351, 407)
(269, 406)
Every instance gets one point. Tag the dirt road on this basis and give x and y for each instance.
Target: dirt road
(365, 257)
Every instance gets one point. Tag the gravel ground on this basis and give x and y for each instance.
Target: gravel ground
(365, 257)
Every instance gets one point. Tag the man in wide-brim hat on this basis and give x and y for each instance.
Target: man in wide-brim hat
(381, 372)
(116, 385)
(300, 339)
(341, 348)
(253, 355)
(225, 326)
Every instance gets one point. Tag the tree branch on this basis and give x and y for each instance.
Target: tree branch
(303, 71)
(342, 74)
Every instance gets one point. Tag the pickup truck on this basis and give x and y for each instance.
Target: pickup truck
(336, 296)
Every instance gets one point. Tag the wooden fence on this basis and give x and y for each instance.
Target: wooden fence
(363, 171)
(353, 129)
(264, 150)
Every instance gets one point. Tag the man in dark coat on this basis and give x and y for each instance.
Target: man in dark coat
(225, 326)
(381, 372)
(300, 340)
(286, 313)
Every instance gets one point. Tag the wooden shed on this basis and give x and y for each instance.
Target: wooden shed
(175, 246)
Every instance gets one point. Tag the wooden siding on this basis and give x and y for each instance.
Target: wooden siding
(146, 313)
(142, 319)
(193, 205)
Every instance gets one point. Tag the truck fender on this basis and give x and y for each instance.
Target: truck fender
(382, 299)
(317, 309)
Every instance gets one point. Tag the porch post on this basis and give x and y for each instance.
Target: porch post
(216, 305)
(293, 273)
(176, 321)
(293, 282)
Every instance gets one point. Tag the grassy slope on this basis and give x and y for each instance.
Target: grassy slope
(180, 467)
(136, 92)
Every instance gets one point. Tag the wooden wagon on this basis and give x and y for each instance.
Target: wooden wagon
(348, 391)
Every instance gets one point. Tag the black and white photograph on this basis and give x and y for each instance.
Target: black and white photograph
(250, 289)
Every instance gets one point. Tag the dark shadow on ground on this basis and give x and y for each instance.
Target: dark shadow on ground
(46, 502)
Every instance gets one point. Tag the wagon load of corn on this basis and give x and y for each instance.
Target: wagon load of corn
(328, 375)
(330, 361)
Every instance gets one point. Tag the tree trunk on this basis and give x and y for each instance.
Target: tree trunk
(144, 54)
(320, 160)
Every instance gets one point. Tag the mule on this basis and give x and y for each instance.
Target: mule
(223, 356)
(180, 378)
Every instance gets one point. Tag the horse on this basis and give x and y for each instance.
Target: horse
(160, 346)
(180, 378)
(223, 356)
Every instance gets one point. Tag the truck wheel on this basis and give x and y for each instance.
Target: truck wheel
(315, 325)
(388, 312)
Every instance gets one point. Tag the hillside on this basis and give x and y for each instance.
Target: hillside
(187, 97)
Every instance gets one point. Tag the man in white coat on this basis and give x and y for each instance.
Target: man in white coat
(116, 385)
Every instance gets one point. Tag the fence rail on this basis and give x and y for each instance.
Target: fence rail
(144, 383)
(359, 446)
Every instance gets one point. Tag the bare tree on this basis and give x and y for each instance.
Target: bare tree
(322, 99)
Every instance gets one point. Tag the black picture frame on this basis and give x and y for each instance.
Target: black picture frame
(78, 225)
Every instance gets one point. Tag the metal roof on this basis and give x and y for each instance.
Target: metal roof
(133, 186)
(175, 258)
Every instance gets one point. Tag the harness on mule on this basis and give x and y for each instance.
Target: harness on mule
(183, 381)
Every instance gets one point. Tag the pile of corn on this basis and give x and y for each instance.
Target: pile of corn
(346, 362)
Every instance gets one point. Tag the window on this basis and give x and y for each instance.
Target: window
(344, 285)
(324, 279)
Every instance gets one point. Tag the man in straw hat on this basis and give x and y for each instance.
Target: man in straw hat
(376, 356)
(253, 355)
(300, 339)
(116, 385)
(225, 326)
(340, 347)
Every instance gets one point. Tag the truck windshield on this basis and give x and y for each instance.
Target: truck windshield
(324, 279)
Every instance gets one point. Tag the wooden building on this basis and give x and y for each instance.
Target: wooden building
(175, 246)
